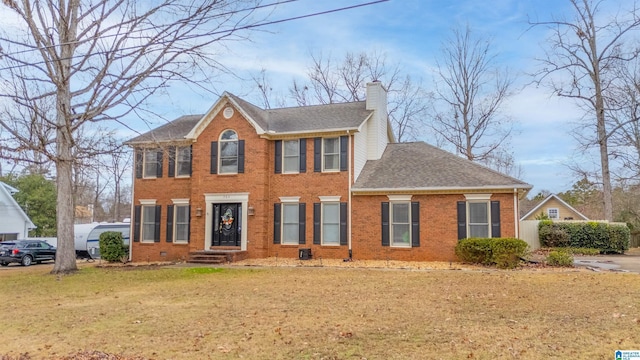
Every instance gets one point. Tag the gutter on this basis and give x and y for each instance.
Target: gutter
(350, 163)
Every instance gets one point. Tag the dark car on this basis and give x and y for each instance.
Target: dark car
(26, 252)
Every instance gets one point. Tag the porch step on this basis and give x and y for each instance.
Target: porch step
(216, 256)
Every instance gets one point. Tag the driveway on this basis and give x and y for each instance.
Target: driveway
(628, 262)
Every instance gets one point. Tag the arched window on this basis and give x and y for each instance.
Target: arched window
(228, 152)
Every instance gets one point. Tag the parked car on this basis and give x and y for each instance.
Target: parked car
(26, 252)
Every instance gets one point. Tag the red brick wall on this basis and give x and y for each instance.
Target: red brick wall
(438, 223)
(438, 227)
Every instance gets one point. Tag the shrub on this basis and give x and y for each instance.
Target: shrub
(112, 248)
(505, 253)
(475, 250)
(560, 258)
(594, 235)
(579, 251)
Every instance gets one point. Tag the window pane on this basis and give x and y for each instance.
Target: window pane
(478, 213)
(291, 148)
(401, 234)
(401, 213)
(481, 231)
(184, 160)
(228, 166)
(150, 163)
(291, 164)
(229, 135)
(331, 162)
(331, 146)
(229, 149)
(290, 234)
(290, 213)
(330, 224)
(148, 223)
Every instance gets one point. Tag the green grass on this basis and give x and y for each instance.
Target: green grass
(318, 313)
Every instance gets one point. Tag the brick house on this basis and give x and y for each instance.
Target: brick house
(330, 178)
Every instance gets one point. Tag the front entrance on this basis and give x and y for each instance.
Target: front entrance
(226, 224)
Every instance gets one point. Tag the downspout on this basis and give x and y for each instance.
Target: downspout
(516, 213)
(349, 161)
(132, 220)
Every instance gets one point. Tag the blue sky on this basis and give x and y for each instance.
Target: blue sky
(410, 33)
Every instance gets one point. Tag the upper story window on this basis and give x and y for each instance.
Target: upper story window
(553, 213)
(152, 163)
(291, 156)
(229, 152)
(331, 154)
(183, 161)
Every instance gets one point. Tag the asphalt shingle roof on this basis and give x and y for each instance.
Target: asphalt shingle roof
(174, 130)
(422, 166)
(283, 120)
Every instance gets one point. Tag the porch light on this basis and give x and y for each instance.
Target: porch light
(198, 212)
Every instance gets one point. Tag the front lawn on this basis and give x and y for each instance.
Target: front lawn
(318, 313)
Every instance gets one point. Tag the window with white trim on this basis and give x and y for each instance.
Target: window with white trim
(228, 152)
(478, 219)
(148, 223)
(553, 213)
(330, 223)
(183, 161)
(331, 154)
(150, 163)
(291, 156)
(181, 223)
(290, 223)
(401, 224)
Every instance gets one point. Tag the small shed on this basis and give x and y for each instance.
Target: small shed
(555, 208)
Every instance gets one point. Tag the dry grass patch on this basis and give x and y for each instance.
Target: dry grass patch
(319, 313)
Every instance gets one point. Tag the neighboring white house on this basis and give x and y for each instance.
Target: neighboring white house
(14, 222)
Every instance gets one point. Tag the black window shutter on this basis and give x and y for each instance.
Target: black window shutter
(156, 235)
(189, 226)
(302, 221)
(316, 223)
(344, 239)
(317, 154)
(415, 224)
(344, 146)
(137, 213)
(462, 220)
(159, 159)
(303, 155)
(240, 156)
(278, 157)
(172, 161)
(385, 224)
(139, 155)
(276, 223)
(169, 223)
(214, 157)
(190, 158)
(495, 219)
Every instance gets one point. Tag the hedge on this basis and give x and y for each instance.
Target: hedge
(505, 253)
(591, 234)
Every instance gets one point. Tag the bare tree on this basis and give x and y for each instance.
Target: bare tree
(580, 62)
(101, 61)
(470, 92)
(332, 81)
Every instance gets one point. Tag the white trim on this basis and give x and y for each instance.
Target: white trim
(180, 201)
(147, 201)
(323, 154)
(516, 213)
(284, 157)
(322, 223)
(475, 197)
(399, 197)
(175, 221)
(391, 243)
(282, 223)
(220, 198)
(289, 199)
(557, 213)
(329, 198)
(453, 189)
(177, 162)
(487, 202)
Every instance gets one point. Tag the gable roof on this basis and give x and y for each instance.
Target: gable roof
(420, 166)
(548, 198)
(290, 120)
(7, 191)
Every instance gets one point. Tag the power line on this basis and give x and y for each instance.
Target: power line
(246, 27)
